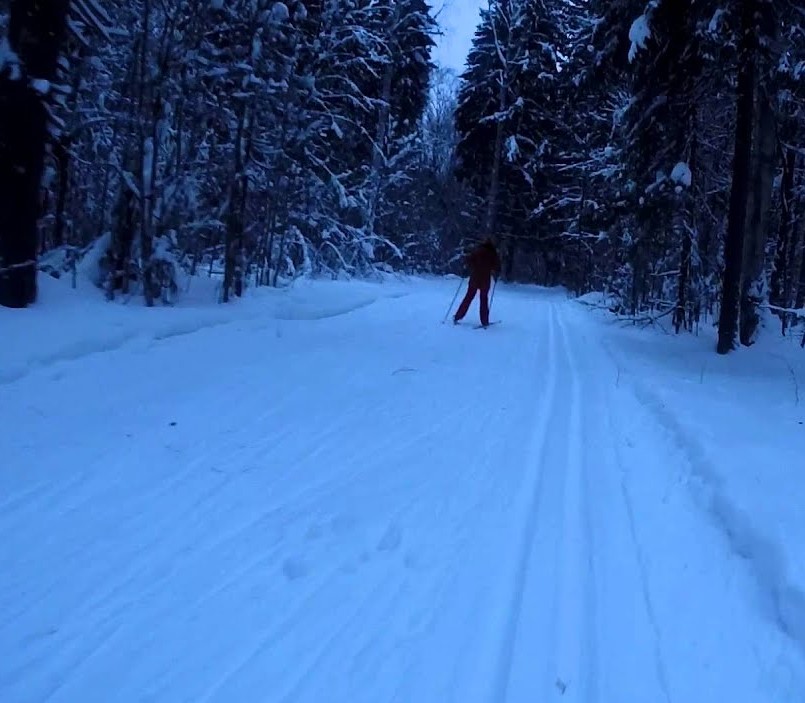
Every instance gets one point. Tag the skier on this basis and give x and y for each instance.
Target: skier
(483, 263)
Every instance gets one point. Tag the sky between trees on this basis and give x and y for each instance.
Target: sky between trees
(458, 19)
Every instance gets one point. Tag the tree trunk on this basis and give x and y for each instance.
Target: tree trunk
(683, 280)
(237, 196)
(148, 156)
(123, 238)
(491, 217)
(511, 251)
(491, 220)
(736, 219)
(61, 152)
(280, 254)
(800, 286)
(147, 159)
(686, 234)
(36, 30)
(754, 288)
(379, 154)
(240, 258)
(783, 257)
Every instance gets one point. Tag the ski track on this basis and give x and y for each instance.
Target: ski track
(642, 571)
(548, 630)
(530, 516)
(573, 663)
(464, 532)
(615, 560)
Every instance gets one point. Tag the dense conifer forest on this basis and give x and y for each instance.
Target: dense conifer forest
(650, 150)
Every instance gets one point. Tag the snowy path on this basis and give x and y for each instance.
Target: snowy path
(366, 507)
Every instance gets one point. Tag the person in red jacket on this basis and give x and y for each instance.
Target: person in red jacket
(484, 263)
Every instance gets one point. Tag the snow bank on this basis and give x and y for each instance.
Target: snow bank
(69, 324)
(596, 299)
(740, 421)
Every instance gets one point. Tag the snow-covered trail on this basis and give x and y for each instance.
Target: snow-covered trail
(366, 507)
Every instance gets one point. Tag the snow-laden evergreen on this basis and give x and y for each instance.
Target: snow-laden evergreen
(257, 141)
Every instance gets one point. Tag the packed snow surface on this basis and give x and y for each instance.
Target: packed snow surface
(325, 495)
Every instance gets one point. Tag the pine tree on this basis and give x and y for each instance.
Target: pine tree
(791, 131)
(509, 119)
(405, 42)
(411, 78)
(661, 132)
(595, 86)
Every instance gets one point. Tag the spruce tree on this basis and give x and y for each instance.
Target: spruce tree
(509, 120)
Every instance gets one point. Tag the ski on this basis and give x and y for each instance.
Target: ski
(478, 327)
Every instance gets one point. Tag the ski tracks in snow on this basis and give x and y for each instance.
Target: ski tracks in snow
(574, 654)
(579, 623)
(547, 649)
(474, 530)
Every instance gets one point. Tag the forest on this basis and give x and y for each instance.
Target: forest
(649, 150)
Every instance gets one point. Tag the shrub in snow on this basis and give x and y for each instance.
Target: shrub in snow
(165, 268)
(100, 265)
(96, 264)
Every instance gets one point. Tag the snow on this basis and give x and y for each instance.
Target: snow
(739, 424)
(41, 86)
(716, 20)
(9, 56)
(512, 149)
(682, 175)
(596, 299)
(324, 494)
(639, 34)
(257, 48)
(280, 12)
(67, 325)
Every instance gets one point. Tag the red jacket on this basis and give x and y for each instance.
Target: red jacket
(483, 262)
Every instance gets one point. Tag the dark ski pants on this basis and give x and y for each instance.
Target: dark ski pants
(465, 304)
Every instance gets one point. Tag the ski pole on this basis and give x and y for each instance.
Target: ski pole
(453, 301)
(492, 297)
